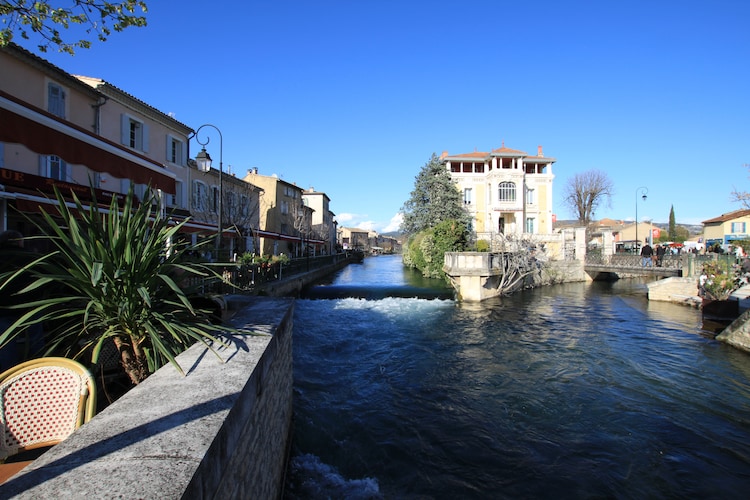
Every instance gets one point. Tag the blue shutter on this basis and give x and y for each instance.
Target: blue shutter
(42, 166)
(169, 148)
(183, 155)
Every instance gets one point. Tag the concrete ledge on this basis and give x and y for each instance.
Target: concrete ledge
(676, 290)
(221, 431)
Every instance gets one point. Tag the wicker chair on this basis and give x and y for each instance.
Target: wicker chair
(42, 402)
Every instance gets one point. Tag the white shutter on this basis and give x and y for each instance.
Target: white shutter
(125, 129)
(145, 138)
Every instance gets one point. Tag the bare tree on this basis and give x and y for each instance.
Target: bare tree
(584, 193)
(522, 262)
(742, 197)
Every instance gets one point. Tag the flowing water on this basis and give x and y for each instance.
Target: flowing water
(569, 391)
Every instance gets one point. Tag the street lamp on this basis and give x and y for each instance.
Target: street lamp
(642, 191)
(203, 159)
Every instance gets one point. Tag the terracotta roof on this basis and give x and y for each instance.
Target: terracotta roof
(503, 150)
(475, 154)
(728, 216)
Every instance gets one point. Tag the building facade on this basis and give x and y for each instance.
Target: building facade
(323, 220)
(505, 191)
(55, 131)
(727, 228)
(285, 221)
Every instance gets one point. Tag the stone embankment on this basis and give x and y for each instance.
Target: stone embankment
(676, 290)
(684, 291)
(222, 430)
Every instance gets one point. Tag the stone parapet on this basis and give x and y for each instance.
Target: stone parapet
(220, 431)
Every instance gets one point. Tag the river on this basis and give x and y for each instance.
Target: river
(583, 390)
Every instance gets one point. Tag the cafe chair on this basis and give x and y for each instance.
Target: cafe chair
(42, 402)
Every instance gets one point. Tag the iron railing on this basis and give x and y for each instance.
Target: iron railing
(247, 278)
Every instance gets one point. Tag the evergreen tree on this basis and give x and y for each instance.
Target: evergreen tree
(672, 225)
(433, 200)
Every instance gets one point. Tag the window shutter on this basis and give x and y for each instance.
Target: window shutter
(125, 129)
(145, 138)
(183, 155)
(42, 166)
(169, 147)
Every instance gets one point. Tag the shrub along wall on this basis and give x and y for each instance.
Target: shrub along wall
(220, 431)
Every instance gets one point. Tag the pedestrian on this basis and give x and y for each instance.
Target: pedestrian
(647, 254)
(660, 251)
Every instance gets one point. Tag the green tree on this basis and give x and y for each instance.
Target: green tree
(426, 249)
(672, 225)
(45, 18)
(433, 200)
(117, 276)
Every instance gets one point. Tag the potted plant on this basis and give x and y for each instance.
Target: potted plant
(114, 276)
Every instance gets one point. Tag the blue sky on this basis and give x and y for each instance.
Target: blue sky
(353, 97)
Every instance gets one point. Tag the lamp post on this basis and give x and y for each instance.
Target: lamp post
(642, 191)
(203, 159)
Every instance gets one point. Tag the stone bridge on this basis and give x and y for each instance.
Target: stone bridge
(622, 265)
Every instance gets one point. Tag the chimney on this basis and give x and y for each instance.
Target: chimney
(443, 154)
(539, 151)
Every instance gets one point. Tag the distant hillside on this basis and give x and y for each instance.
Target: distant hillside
(692, 228)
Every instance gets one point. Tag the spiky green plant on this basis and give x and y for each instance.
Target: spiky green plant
(114, 275)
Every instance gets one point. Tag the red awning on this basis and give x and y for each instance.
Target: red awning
(46, 134)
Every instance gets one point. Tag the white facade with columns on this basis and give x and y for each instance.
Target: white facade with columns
(505, 190)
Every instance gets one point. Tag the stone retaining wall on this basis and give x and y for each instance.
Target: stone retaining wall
(675, 290)
(220, 431)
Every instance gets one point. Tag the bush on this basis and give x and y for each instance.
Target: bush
(483, 246)
(426, 250)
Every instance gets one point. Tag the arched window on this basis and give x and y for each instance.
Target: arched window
(506, 191)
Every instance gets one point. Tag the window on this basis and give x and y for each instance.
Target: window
(215, 198)
(53, 167)
(284, 207)
(530, 196)
(231, 204)
(467, 196)
(244, 206)
(200, 196)
(506, 191)
(530, 225)
(134, 133)
(176, 151)
(56, 100)
(175, 200)
(738, 227)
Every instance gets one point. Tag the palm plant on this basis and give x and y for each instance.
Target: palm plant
(114, 276)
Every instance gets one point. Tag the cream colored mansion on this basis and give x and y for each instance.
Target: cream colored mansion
(505, 191)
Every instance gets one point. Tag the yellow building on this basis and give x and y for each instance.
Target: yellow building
(505, 191)
(726, 228)
(285, 221)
